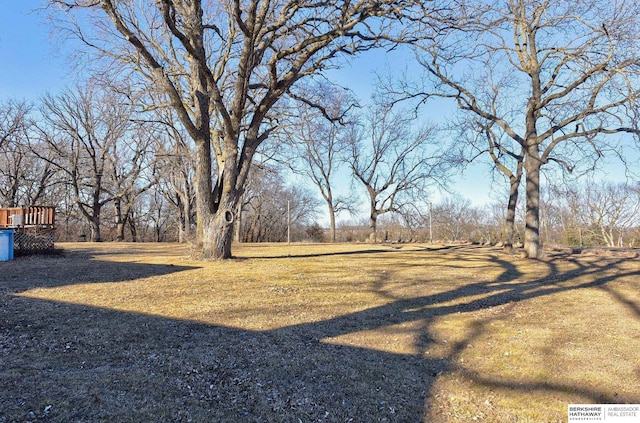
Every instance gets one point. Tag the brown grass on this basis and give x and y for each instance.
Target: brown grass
(335, 333)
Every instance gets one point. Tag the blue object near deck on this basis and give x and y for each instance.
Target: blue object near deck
(6, 245)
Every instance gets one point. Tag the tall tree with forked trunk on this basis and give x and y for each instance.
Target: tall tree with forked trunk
(557, 78)
(224, 67)
(394, 161)
(319, 141)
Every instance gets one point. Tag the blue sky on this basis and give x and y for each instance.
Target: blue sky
(30, 64)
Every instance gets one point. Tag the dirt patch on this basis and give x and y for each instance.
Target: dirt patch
(335, 333)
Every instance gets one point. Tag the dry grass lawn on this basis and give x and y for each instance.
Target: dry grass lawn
(315, 333)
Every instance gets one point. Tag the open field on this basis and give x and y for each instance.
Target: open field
(315, 333)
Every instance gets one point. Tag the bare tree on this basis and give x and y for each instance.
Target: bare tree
(272, 207)
(565, 209)
(602, 212)
(483, 138)
(393, 160)
(319, 133)
(13, 120)
(24, 179)
(130, 170)
(175, 167)
(454, 219)
(158, 214)
(224, 67)
(82, 130)
(613, 209)
(175, 174)
(554, 76)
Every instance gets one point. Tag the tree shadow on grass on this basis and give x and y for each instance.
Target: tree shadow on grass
(78, 267)
(89, 364)
(63, 362)
(383, 249)
(293, 254)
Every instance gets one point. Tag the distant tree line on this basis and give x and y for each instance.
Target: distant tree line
(114, 174)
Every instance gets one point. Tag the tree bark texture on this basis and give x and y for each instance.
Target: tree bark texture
(373, 223)
(203, 187)
(219, 230)
(332, 222)
(95, 229)
(120, 221)
(512, 204)
(532, 245)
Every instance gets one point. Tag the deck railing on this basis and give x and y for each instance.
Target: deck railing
(23, 217)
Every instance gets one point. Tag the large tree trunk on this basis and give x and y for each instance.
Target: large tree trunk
(328, 197)
(182, 225)
(510, 222)
(95, 229)
(93, 218)
(373, 216)
(373, 220)
(203, 188)
(225, 200)
(332, 223)
(120, 231)
(217, 244)
(184, 216)
(532, 217)
(186, 221)
(133, 229)
(120, 221)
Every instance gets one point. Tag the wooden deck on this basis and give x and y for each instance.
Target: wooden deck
(27, 217)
